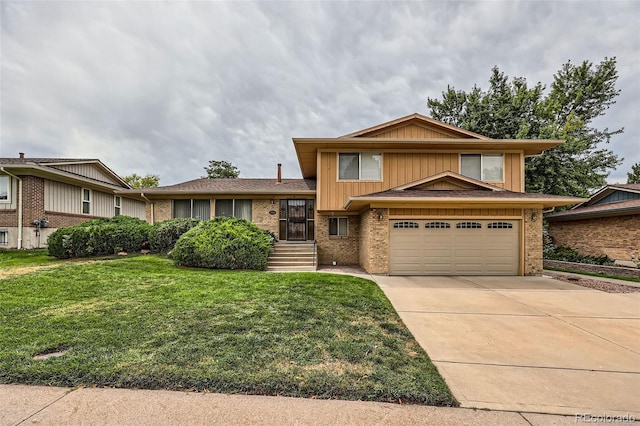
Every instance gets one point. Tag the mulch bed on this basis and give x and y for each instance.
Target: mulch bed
(594, 283)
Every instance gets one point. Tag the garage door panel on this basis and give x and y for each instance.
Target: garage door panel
(476, 247)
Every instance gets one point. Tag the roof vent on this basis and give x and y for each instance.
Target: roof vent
(21, 154)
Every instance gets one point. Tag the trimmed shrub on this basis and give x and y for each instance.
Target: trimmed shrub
(164, 234)
(99, 237)
(224, 243)
(566, 254)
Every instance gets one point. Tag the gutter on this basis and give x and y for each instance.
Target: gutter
(153, 221)
(19, 205)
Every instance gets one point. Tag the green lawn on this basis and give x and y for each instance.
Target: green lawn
(22, 258)
(141, 322)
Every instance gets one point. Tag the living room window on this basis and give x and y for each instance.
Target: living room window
(86, 201)
(5, 192)
(234, 208)
(487, 167)
(197, 209)
(359, 166)
(338, 226)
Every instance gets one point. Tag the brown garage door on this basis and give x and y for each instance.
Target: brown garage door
(454, 247)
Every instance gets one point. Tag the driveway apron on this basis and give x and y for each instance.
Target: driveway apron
(530, 344)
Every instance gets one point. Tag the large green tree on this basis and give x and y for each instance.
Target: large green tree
(221, 169)
(634, 175)
(147, 181)
(510, 109)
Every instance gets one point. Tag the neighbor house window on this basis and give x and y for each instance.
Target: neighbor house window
(197, 209)
(4, 237)
(489, 167)
(234, 208)
(86, 201)
(118, 205)
(359, 166)
(5, 192)
(338, 226)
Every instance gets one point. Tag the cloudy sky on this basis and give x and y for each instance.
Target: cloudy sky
(163, 87)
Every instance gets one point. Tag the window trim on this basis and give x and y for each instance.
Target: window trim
(117, 206)
(337, 218)
(359, 166)
(8, 200)
(482, 154)
(88, 201)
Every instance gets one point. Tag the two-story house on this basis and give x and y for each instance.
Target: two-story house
(39, 195)
(413, 196)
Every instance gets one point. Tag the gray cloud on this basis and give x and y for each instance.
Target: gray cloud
(164, 87)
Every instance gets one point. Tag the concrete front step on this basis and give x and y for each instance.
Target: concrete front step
(291, 268)
(297, 257)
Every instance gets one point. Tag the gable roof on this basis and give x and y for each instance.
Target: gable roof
(478, 198)
(419, 120)
(455, 179)
(442, 137)
(608, 190)
(230, 186)
(63, 169)
(592, 209)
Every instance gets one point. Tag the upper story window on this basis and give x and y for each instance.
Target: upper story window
(487, 167)
(234, 208)
(359, 166)
(118, 205)
(86, 201)
(5, 193)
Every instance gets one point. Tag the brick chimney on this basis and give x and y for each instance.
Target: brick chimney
(21, 154)
(279, 173)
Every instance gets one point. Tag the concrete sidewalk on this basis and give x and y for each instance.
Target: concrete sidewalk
(28, 405)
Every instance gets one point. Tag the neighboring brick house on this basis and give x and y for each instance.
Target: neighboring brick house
(607, 224)
(56, 192)
(411, 196)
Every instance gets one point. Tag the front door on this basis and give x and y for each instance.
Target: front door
(296, 220)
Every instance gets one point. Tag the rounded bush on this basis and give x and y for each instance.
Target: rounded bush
(165, 234)
(99, 237)
(224, 243)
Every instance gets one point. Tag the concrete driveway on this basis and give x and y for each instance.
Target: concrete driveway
(526, 343)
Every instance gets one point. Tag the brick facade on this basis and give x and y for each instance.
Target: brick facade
(342, 250)
(617, 237)
(260, 214)
(374, 241)
(532, 232)
(161, 211)
(33, 200)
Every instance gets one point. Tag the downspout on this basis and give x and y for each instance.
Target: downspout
(153, 221)
(19, 205)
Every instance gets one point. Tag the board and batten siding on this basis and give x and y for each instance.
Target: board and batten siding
(88, 170)
(399, 168)
(13, 191)
(62, 197)
(134, 208)
(102, 204)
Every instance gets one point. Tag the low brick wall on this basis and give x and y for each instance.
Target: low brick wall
(593, 269)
